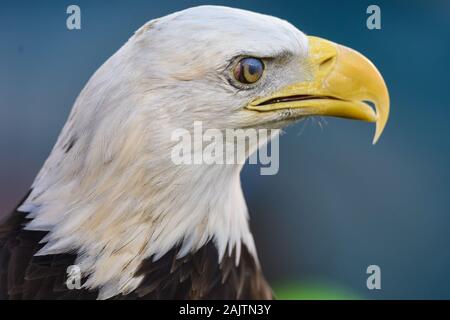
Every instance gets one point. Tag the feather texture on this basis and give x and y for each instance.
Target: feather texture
(197, 275)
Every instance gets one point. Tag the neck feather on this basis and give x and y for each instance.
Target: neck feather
(114, 223)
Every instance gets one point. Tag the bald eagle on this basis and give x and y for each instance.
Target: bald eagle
(109, 200)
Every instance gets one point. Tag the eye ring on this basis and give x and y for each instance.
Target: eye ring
(248, 70)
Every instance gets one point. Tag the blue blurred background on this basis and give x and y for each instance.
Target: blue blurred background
(338, 204)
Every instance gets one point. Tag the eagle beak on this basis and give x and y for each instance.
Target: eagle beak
(342, 83)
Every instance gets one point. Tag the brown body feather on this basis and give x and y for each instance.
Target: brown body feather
(198, 275)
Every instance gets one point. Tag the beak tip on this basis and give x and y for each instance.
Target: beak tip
(382, 118)
(378, 131)
(375, 140)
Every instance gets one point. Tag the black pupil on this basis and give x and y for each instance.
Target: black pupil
(253, 66)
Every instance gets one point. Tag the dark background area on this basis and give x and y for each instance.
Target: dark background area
(338, 204)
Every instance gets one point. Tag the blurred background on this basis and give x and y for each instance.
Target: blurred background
(338, 204)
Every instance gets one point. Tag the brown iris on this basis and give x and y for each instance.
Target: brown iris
(248, 70)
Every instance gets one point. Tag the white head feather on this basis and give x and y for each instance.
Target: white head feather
(116, 198)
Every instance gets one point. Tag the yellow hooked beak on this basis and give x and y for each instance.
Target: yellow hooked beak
(343, 81)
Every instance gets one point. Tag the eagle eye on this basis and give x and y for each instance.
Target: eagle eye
(248, 70)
